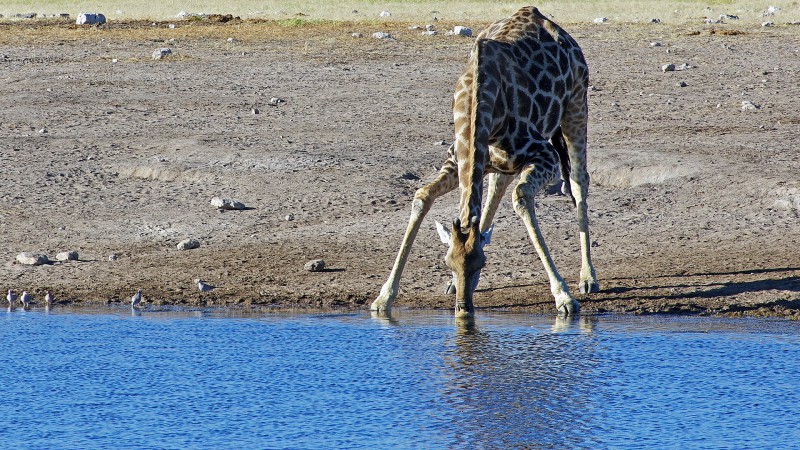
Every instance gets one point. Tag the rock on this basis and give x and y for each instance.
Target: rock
(655, 44)
(67, 256)
(600, 20)
(289, 217)
(315, 265)
(728, 17)
(227, 204)
(382, 35)
(275, 101)
(409, 176)
(747, 105)
(668, 68)
(357, 35)
(458, 30)
(161, 53)
(767, 24)
(429, 27)
(113, 257)
(681, 84)
(188, 244)
(255, 111)
(385, 14)
(90, 19)
(655, 20)
(429, 33)
(32, 259)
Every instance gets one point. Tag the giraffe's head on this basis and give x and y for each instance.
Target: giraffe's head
(465, 258)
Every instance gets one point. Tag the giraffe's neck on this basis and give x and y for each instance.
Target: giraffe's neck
(471, 182)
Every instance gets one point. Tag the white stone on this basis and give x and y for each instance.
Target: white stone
(459, 30)
(385, 14)
(381, 35)
(226, 203)
(668, 68)
(32, 259)
(747, 105)
(188, 244)
(316, 265)
(67, 256)
(90, 19)
(600, 20)
(161, 53)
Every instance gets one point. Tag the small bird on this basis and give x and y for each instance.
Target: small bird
(25, 299)
(48, 299)
(203, 286)
(136, 299)
(11, 297)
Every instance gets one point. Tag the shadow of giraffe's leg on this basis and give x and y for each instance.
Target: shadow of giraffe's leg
(446, 181)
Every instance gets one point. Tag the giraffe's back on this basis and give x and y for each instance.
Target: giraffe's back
(540, 68)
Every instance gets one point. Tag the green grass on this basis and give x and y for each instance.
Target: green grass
(674, 11)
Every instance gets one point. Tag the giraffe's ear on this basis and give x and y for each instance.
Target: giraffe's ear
(444, 233)
(487, 235)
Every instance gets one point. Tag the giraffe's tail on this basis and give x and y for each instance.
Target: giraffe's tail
(560, 145)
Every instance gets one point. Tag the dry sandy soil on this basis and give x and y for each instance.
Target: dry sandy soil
(694, 206)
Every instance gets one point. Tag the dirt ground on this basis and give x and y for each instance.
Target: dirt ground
(694, 203)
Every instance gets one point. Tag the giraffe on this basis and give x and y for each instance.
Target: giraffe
(520, 109)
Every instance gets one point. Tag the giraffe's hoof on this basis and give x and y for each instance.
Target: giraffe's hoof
(588, 287)
(567, 305)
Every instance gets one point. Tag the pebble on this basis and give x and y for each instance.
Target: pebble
(90, 19)
(382, 35)
(668, 68)
(600, 20)
(255, 111)
(655, 44)
(747, 105)
(289, 217)
(315, 265)
(32, 259)
(161, 53)
(67, 256)
(275, 101)
(681, 84)
(385, 14)
(357, 35)
(767, 24)
(113, 257)
(226, 203)
(459, 30)
(188, 244)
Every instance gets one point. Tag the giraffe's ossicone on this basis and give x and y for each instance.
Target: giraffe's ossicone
(520, 109)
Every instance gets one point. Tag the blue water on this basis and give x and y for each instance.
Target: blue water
(211, 379)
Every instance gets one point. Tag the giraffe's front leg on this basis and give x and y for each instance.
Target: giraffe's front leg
(531, 180)
(445, 182)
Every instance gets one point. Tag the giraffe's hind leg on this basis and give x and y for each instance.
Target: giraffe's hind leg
(445, 181)
(574, 128)
(532, 178)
